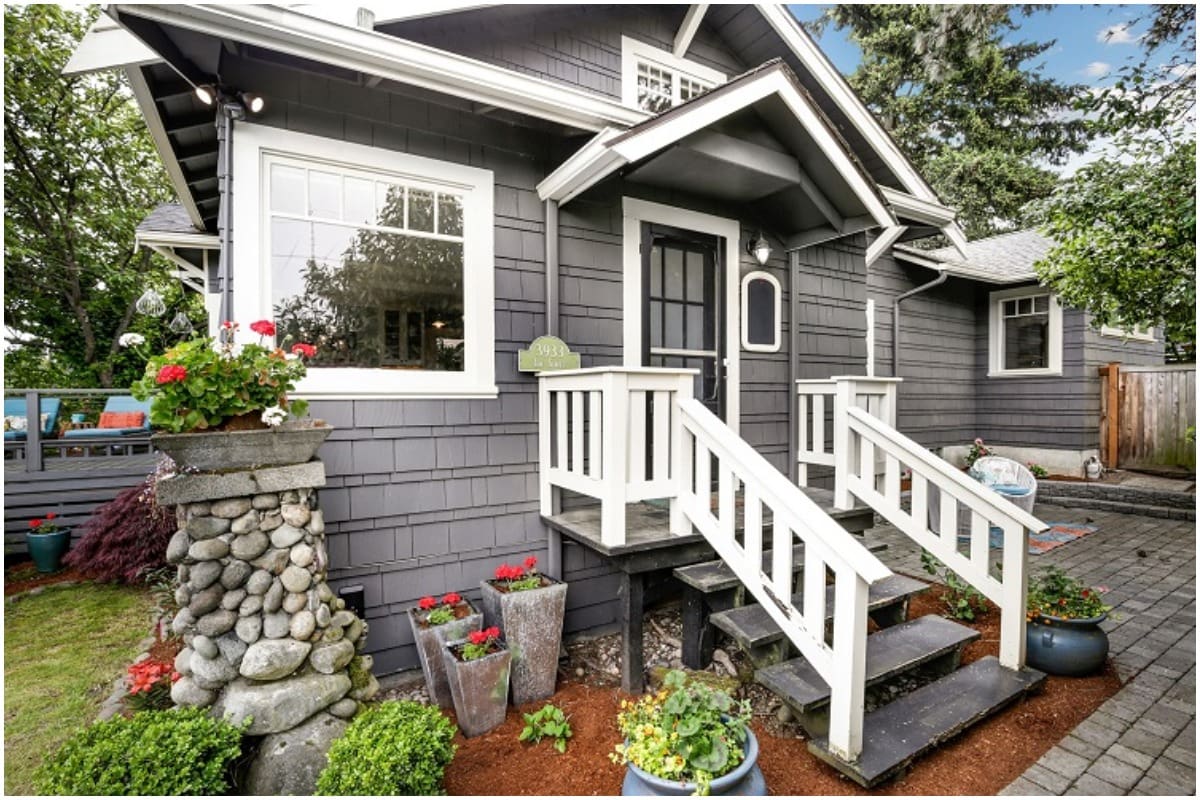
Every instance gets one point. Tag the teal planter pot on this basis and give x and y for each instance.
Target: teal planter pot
(48, 549)
(1072, 647)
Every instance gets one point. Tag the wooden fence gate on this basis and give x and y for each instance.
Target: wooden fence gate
(1145, 414)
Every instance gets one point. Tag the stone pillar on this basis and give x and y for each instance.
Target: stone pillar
(265, 636)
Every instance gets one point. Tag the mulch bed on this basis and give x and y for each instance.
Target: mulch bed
(980, 762)
(24, 576)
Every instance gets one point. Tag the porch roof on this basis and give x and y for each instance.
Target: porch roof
(758, 140)
(168, 231)
(1005, 258)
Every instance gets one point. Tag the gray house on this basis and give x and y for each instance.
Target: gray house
(663, 188)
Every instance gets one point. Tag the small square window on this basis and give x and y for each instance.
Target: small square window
(1025, 334)
(655, 80)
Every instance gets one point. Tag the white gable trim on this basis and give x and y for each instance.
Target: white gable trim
(687, 29)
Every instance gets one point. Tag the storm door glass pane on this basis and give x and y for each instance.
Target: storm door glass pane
(673, 278)
(674, 325)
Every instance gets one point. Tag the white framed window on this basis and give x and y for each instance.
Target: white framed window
(761, 308)
(1138, 333)
(383, 260)
(1025, 332)
(655, 80)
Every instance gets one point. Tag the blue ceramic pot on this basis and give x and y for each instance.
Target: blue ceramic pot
(746, 780)
(48, 549)
(1070, 647)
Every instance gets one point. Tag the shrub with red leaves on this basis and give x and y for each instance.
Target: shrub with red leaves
(124, 538)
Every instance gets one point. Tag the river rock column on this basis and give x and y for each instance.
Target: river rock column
(264, 635)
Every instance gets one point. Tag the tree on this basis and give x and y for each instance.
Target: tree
(964, 104)
(80, 174)
(1125, 226)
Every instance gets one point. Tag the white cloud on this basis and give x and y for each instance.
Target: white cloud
(1117, 34)
(1097, 69)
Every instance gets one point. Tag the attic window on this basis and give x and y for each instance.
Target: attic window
(655, 80)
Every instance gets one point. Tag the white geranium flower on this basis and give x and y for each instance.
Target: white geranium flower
(131, 339)
(274, 416)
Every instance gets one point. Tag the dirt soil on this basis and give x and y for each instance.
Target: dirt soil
(980, 762)
(24, 576)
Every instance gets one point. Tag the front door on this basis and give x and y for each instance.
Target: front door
(682, 319)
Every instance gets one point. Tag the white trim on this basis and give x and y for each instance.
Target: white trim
(585, 167)
(634, 212)
(996, 337)
(761, 275)
(634, 50)
(870, 337)
(1138, 334)
(107, 45)
(284, 30)
(883, 242)
(254, 145)
(687, 29)
(202, 241)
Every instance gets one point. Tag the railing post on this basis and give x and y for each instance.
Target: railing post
(547, 493)
(842, 457)
(616, 465)
(846, 706)
(33, 432)
(681, 458)
(1015, 591)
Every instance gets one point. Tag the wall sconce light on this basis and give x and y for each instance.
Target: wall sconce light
(759, 248)
(211, 93)
(207, 93)
(254, 103)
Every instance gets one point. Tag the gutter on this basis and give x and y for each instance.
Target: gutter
(938, 281)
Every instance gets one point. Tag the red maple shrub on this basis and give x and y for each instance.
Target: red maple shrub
(125, 538)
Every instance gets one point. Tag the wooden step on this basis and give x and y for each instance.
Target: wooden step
(717, 576)
(896, 734)
(752, 627)
(929, 641)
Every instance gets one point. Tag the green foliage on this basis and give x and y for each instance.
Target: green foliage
(1037, 470)
(1125, 241)
(1054, 593)
(440, 615)
(967, 102)
(962, 600)
(977, 451)
(398, 747)
(547, 722)
(81, 173)
(217, 384)
(687, 732)
(179, 752)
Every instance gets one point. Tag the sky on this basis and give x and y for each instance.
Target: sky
(1083, 52)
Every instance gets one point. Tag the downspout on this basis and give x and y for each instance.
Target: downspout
(938, 281)
(552, 267)
(793, 365)
(227, 112)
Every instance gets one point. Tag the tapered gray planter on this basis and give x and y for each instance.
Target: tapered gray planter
(222, 451)
(532, 623)
(479, 688)
(431, 640)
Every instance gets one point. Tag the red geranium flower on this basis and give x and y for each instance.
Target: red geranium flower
(302, 349)
(477, 637)
(492, 632)
(264, 327)
(35, 523)
(50, 515)
(530, 563)
(171, 373)
(451, 599)
(426, 603)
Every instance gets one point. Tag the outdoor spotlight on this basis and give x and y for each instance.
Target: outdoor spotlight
(760, 249)
(437, 323)
(254, 103)
(207, 93)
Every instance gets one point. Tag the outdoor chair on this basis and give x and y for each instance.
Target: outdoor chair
(15, 424)
(122, 416)
(1006, 477)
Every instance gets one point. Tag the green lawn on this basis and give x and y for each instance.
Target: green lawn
(62, 650)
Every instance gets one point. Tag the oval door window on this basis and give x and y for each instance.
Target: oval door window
(760, 312)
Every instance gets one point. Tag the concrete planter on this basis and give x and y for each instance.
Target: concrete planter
(47, 549)
(479, 688)
(430, 641)
(223, 451)
(1072, 647)
(532, 623)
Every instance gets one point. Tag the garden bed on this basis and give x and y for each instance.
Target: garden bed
(981, 762)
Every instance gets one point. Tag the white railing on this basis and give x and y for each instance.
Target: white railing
(828, 548)
(868, 441)
(606, 432)
(816, 400)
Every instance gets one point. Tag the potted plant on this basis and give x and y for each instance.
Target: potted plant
(435, 624)
(688, 739)
(47, 543)
(477, 670)
(1064, 636)
(529, 606)
(226, 406)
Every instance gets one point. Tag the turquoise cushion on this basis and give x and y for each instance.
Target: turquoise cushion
(99, 433)
(1011, 489)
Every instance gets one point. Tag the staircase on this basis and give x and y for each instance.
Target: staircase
(623, 435)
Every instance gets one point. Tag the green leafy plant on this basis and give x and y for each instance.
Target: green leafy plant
(686, 732)
(1053, 593)
(547, 722)
(434, 612)
(518, 579)
(197, 385)
(962, 600)
(480, 643)
(1037, 470)
(397, 747)
(978, 450)
(179, 752)
(44, 527)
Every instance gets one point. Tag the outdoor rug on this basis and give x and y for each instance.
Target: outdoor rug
(1058, 534)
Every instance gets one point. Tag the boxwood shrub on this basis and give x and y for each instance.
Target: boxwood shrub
(176, 752)
(396, 748)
